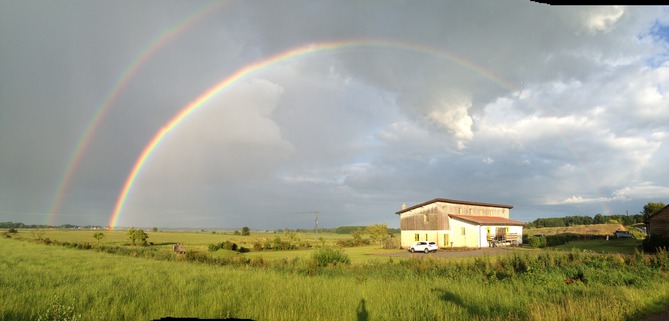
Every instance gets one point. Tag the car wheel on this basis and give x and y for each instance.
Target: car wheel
(427, 251)
(411, 250)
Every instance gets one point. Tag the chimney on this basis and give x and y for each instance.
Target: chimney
(404, 206)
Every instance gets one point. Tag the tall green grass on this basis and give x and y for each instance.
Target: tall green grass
(103, 286)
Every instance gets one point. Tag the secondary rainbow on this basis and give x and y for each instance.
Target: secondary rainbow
(65, 181)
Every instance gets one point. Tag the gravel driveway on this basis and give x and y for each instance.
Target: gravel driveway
(459, 253)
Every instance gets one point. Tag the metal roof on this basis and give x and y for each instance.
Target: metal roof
(445, 200)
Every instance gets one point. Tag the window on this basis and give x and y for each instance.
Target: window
(416, 237)
(459, 210)
(426, 236)
(470, 211)
(489, 212)
(445, 239)
(463, 230)
(480, 212)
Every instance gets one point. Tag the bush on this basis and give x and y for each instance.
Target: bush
(330, 256)
(227, 245)
(652, 243)
(559, 239)
(12, 230)
(391, 243)
(537, 242)
(353, 242)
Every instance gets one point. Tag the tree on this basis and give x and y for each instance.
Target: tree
(378, 232)
(155, 229)
(246, 230)
(651, 208)
(137, 235)
(98, 236)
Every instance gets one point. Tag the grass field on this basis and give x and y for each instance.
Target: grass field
(626, 246)
(592, 230)
(199, 241)
(101, 286)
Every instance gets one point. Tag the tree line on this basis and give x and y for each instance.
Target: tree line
(648, 210)
(34, 226)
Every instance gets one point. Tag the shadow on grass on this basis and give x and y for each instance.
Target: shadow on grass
(164, 243)
(361, 311)
(479, 309)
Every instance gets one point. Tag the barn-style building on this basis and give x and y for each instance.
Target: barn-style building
(658, 223)
(454, 223)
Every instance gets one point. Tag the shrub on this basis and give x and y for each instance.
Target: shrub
(227, 245)
(353, 242)
(537, 242)
(330, 256)
(12, 230)
(652, 243)
(391, 243)
(559, 239)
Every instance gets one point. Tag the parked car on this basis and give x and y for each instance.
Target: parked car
(424, 247)
(623, 234)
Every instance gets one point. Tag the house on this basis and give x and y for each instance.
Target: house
(658, 223)
(453, 223)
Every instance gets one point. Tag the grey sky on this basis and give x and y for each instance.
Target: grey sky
(561, 110)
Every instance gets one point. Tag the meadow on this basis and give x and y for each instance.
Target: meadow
(38, 279)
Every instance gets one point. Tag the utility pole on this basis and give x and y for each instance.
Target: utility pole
(316, 225)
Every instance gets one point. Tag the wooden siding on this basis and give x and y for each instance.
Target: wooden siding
(659, 223)
(434, 216)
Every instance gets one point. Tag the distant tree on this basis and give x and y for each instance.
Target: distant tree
(12, 230)
(357, 234)
(98, 236)
(292, 236)
(246, 231)
(651, 208)
(137, 235)
(377, 233)
(155, 229)
(599, 219)
(38, 234)
(236, 232)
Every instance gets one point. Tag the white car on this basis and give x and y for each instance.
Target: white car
(424, 247)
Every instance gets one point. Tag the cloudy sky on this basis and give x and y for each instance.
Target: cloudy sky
(554, 110)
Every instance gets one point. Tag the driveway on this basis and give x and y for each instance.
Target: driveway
(458, 253)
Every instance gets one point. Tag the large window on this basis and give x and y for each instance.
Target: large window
(416, 237)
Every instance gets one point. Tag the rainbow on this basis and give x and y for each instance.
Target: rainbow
(294, 53)
(65, 181)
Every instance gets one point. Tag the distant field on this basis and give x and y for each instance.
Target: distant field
(199, 241)
(594, 229)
